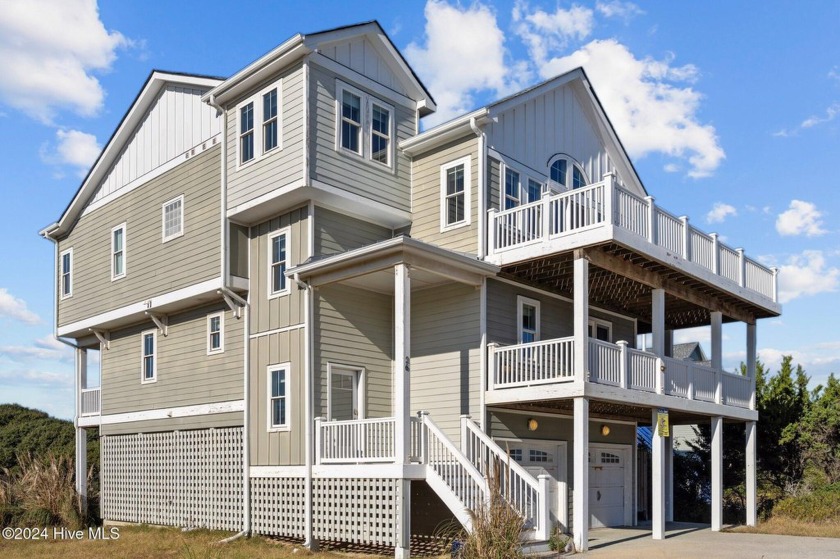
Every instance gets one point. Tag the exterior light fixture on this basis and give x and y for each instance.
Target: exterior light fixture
(605, 430)
(533, 424)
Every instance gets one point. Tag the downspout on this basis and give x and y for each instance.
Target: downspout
(223, 225)
(308, 406)
(482, 252)
(482, 196)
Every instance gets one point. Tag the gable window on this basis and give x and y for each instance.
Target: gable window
(148, 362)
(351, 122)
(215, 333)
(455, 194)
(528, 319)
(246, 133)
(600, 330)
(365, 125)
(278, 258)
(173, 218)
(278, 402)
(270, 120)
(118, 252)
(66, 273)
(565, 173)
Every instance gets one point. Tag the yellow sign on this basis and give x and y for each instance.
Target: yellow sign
(662, 423)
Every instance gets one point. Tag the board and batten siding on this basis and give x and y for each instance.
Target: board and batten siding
(186, 375)
(354, 327)
(361, 56)
(336, 232)
(426, 196)
(283, 165)
(556, 316)
(152, 267)
(347, 171)
(446, 354)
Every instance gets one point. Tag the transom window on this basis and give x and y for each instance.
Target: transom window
(215, 333)
(173, 218)
(278, 403)
(246, 133)
(278, 258)
(66, 273)
(538, 456)
(529, 320)
(455, 194)
(259, 124)
(365, 125)
(610, 458)
(516, 454)
(149, 355)
(564, 173)
(118, 252)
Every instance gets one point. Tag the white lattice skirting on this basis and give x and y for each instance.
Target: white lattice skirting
(179, 478)
(348, 510)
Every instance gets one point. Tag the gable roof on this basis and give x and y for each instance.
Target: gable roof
(156, 81)
(300, 45)
(691, 350)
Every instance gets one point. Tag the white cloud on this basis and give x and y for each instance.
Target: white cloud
(806, 274)
(720, 212)
(617, 8)
(36, 377)
(543, 32)
(801, 218)
(671, 168)
(74, 148)
(649, 103)
(15, 308)
(46, 348)
(830, 114)
(464, 53)
(50, 50)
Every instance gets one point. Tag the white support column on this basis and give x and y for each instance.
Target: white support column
(402, 401)
(81, 434)
(717, 474)
(669, 476)
(651, 209)
(751, 361)
(752, 512)
(657, 319)
(581, 318)
(717, 353)
(657, 484)
(580, 504)
(686, 244)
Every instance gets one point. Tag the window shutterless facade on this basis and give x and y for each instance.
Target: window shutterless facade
(278, 397)
(279, 256)
(66, 273)
(173, 218)
(118, 261)
(455, 181)
(364, 126)
(215, 333)
(258, 124)
(148, 356)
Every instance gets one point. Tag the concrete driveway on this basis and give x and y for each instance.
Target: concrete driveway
(697, 541)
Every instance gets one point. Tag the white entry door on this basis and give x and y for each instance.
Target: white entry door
(609, 488)
(345, 394)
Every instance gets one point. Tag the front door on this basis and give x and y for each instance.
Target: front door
(345, 394)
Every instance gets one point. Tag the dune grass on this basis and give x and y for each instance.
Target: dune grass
(782, 525)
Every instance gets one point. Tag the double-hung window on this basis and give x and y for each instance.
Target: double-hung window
(258, 121)
(269, 120)
(278, 397)
(380, 134)
(528, 315)
(511, 189)
(173, 218)
(278, 259)
(351, 122)
(455, 194)
(215, 333)
(246, 133)
(365, 126)
(148, 354)
(520, 189)
(118, 252)
(66, 273)
(600, 330)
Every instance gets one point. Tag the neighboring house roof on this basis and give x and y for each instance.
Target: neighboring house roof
(692, 351)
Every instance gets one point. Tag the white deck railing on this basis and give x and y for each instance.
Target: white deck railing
(534, 363)
(355, 441)
(605, 203)
(91, 404)
(736, 390)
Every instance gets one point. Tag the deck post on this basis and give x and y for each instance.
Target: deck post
(581, 318)
(81, 434)
(752, 516)
(580, 499)
(751, 360)
(669, 476)
(717, 474)
(651, 207)
(402, 549)
(686, 245)
(742, 267)
(609, 197)
(319, 445)
(623, 365)
(491, 232)
(402, 402)
(717, 353)
(775, 284)
(657, 478)
(491, 365)
(544, 512)
(424, 437)
(658, 321)
(715, 253)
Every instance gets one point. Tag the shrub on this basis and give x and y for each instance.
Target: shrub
(821, 505)
(496, 527)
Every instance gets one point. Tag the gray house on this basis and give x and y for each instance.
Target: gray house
(317, 322)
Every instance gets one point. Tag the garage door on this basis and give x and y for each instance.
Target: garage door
(606, 486)
(544, 458)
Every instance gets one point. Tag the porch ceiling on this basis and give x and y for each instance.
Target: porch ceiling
(599, 409)
(621, 280)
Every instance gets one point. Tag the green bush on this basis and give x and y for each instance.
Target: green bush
(821, 505)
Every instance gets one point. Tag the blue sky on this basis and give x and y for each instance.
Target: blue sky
(730, 110)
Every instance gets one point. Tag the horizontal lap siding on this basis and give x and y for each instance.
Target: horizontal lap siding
(354, 327)
(215, 420)
(274, 169)
(335, 232)
(445, 354)
(186, 375)
(350, 172)
(426, 196)
(153, 267)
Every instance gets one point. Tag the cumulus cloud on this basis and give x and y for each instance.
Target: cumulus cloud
(14, 308)
(617, 8)
(35, 377)
(650, 102)
(801, 218)
(464, 52)
(806, 274)
(50, 51)
(720, 212)
(830, 114)
(74, 148)
(544, 32)
(46, 348)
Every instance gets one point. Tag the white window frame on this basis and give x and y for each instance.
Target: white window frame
(571, 164)
(594, 323)
(61, 272)
(259, 125)
(241, 134)
(287, 232)
(143, 334)
(521, 301)
(114, 275)
(366, 140)
(221, 349)
(270, 425)
(359, 392)
(521, 186)
(467, 163)
(164, 237)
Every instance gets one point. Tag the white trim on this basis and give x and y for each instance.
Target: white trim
(277, 471)
(286, 368)
(595, 322)
(164, 237)
(466, 161)
(524, 177)
(571, 164)
(370, 471)
(114, 276)
(172, 413)
(61, 293)
(366, 82)
(221, 349)
(287, 232)
(521, 300)
(366, 102)
(629, 477)
(258, 128)
(143, 334)
(278, 330)
(359, 396)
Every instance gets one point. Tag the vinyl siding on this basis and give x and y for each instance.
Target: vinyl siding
(186, 375)
(152, 267)
(277, 168)
(238, 250)
(445, 354)
(335, 232)
(354, 327)
(216, 420)
(426, 196)
(347, 171)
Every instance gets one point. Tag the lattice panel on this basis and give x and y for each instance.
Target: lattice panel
(278, 506)
(179, 478)
(356, 510)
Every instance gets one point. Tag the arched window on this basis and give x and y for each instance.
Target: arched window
(565, 173)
